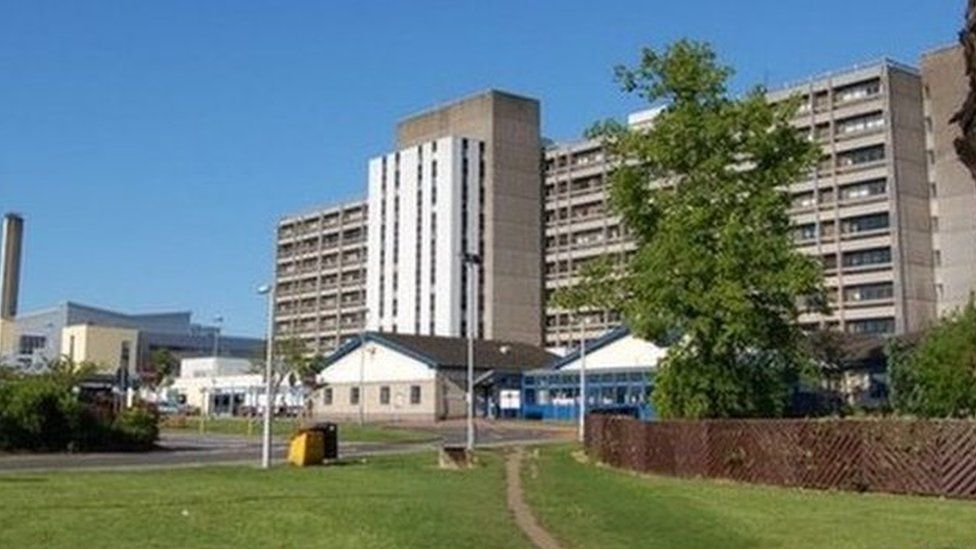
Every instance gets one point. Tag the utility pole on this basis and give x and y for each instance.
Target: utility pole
(268, 290)
(219, 321)
(471, 261)
(582, 374)
(362, 374)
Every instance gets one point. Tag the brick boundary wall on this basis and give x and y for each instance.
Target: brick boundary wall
(900, 456)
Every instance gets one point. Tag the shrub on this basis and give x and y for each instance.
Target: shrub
(35, 414)
(936, 378)
(41, 414)
(136, 429)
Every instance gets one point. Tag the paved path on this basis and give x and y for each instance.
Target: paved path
(516, 503)
(189, 449)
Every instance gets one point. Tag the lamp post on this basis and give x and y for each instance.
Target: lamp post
(269, 291)
(471, 261)
(362, 374)
(219, 321)
(582, 377)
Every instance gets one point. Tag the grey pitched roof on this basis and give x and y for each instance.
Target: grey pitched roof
(451, 352)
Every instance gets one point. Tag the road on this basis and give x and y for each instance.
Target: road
(187, 449)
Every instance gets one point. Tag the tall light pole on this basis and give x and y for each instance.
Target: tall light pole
(471, 261)
(268, 290)
(582, 376)
(362, 374)
(219, 321)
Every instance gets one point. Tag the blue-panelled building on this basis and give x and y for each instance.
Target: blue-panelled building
(619, 379)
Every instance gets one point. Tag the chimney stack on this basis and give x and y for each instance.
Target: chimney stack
(13, 236)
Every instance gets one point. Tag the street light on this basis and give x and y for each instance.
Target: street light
(268, 290)
(471, 261)
(219, 321)
(582, 375)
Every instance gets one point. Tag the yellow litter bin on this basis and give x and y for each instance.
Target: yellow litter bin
(307, 448)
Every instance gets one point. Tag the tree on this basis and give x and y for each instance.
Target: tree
(715, 275)
(160, 369)
(294, 363)
(65, 371)
(938, 377)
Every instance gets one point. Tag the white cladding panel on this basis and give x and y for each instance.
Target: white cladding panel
(626, 352)
(414, 252)
(379, 364)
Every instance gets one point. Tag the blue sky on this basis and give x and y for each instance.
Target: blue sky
(153, 145)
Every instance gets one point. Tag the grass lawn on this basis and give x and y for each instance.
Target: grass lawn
(390, 501)
(348, 432)
(584, 505)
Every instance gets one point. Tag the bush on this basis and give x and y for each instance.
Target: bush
(936, 378)
(41, 414)
(35, 414)
(136, 429)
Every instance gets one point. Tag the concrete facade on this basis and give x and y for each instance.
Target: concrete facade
(864, 210)
(512, 261)
(320, 276)
(952, 186)
(111, 349)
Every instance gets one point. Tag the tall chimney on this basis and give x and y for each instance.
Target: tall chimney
(13, 236)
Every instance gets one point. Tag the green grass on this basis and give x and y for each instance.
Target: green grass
(348, 432)
(392, 501)
(585, 505)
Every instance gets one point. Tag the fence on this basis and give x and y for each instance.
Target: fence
(929, 457)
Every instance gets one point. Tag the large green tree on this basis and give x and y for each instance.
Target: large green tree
(937, 378)
(715, 275)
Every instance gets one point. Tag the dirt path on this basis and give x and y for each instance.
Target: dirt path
(523, 514)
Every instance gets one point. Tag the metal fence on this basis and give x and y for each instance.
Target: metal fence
(928, 457)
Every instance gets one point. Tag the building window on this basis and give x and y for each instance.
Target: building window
(864, 223)
(384, 395)
(875, 256)
(871, 326)
(125, 353)
(354, 395)
(857, 157)
(415, 394)
(864, 189)
(869, 292)
(327, 396)
(31, 343)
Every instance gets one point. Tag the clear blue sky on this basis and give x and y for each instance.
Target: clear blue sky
(153, 145)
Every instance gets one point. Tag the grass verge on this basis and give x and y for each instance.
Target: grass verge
(585, 505)
(390, 501)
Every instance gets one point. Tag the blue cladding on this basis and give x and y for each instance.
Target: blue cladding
(554, 395)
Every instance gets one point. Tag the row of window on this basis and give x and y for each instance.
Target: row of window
(383, 397)
(848, 226)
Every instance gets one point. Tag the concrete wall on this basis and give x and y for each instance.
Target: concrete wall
(910, 215)
(953, 201)
(101, 345)
(509, 126)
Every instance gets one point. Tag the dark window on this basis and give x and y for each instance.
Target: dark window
(354, 395)
(874, 256)
(327, 396)
(384, 395)
(871, 326)
(415, 394)
(30, 343)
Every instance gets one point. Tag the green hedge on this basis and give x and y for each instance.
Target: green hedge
(41, 414)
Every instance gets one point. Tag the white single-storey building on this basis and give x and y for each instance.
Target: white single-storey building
(387, 376)
(225, 386)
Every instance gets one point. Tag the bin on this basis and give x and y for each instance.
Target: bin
(306, 448)
(330, 439)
